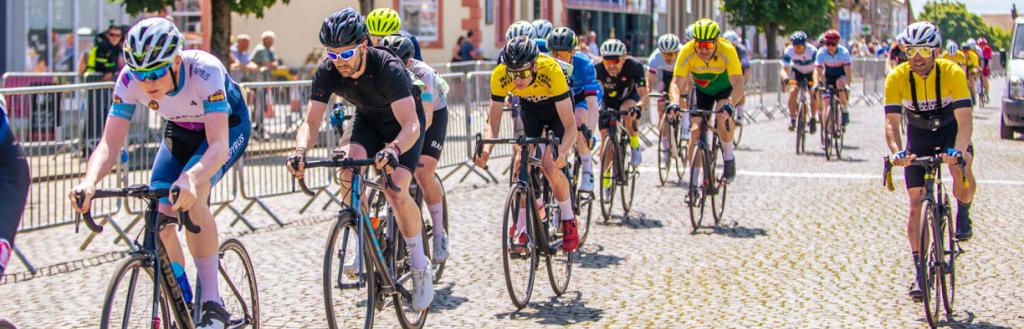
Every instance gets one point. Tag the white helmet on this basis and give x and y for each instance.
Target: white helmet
(542, 28)
(689, 32)
(732, 37)
(151, 43)
(971, 42)
(952, 48)
(613, 47)
(668, 43)
(921, 34)
(520, 28)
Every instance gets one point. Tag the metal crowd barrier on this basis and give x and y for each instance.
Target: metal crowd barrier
(278, 111)
(31, 79)
(464, 67)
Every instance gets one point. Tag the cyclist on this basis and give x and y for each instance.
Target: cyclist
(741, 51)
(954, 55)
(517, 29)
(659, 75)
(544, 97)
(986, 70)
(896, 55)
(833, 64)
(973, 68)
(586, 92)
(385, 21)
(711, 65)
(542, 29)
(207, 130)
(14, 183)
(798, 58)
(625, 88)
(435, 110)
(938, 112)
(387, 123)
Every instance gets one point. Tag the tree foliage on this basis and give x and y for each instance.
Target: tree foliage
(221, 17)
(958, 24)
(781, 16)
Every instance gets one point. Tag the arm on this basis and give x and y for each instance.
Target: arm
(493, 124)
(680, 86)
(217, 154)
(965, 128)
(82, 65)
(565, 115)
(306, 137)
(428, 113)
(892, 132)
(405, 113)
(738, 88)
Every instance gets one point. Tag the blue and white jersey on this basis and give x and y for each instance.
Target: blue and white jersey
(203, 87)
(661, 70)
(584, 76)
(803, 62)
(833, 64)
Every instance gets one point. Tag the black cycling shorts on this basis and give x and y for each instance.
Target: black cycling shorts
(707, 102)
(433, 138)
(803, 78)
(14, 185)
(539, 118)
(830, 80)
(616, 103)
(373, 136)
(926, 142)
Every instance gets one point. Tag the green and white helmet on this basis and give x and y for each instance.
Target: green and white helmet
(151, 43)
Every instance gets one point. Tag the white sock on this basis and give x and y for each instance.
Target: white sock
(414, 245)
(566, 207)
(686, 123)
(739, 111)
(521, 220)
(727, 149)
(587, 163)
(437, 216)
(208, 269)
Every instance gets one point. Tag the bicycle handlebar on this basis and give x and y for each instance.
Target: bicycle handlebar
(135, 191)
(521, 141)
(927, 162)
(340, 163)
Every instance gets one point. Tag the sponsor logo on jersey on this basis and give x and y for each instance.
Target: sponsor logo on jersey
(200, 72)
(153, 105)
(702, 82)
(216, 97)
(118, 100)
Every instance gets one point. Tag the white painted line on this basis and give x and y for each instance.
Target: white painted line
(819, 175)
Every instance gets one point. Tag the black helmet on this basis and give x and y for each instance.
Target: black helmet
(518, 52)
(401, 45)
(562, 39)
(344, 28)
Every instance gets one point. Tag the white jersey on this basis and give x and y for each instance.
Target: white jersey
(661, 69)
(203, 86)
(435, 87)
(803, 63)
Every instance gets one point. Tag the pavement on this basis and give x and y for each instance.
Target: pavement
(806, 243)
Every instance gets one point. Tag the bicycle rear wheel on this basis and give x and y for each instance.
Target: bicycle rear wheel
(696, 195)
(628, 174)
(665, 161)
(582, 204)
(931, 258)
(129, 299)
(837, 140)
(518, 260)
(346, 302)
(607, 199)
(828, 133)
(952, 253)
(680, 148)
(717, 181)
(558, 261)
(241, 298)
(801, 126)
(401, 263)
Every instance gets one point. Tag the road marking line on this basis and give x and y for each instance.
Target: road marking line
(838, 176)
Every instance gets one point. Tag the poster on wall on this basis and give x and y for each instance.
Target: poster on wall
(420, 18)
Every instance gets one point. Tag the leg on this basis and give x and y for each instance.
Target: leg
(585, 152)
(964, 195)
(631, 125)
(560, 190)
(724, 125)
(410, 224)
(432, 197)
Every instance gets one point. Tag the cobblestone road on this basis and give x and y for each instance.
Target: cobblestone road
(810, 244)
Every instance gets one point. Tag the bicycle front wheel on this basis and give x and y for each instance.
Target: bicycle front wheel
(665, 158)
(518, 255)
(801, 126)
(719, 187)
(695, 196)
(952, 252)
(607, 198)
(559, 262)
(584, 209)
(242, 299)
(400, 261)
(349, 294)
(930, 266)
(129, 300)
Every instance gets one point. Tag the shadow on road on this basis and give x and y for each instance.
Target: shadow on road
(556, 311)
(590, 257)
(966, 323)
(638, 220)
(733, 230)
(444, 299)
(845, 158)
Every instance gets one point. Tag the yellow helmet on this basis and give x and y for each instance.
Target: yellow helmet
(705, 29)
(383, 21)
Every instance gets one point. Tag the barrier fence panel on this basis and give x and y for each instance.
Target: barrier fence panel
(32, 79)
(454, 153)
(278, 110)
(477, 110)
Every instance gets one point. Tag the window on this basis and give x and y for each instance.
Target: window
(420, 18)
(1018, 42)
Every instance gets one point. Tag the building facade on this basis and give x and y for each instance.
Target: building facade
(872, 20)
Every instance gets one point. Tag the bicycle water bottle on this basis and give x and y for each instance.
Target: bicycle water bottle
(516, 117)
(182, 278)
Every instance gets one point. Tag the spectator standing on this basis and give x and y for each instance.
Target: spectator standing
(241, 59)
(264, 56)
(456, 56)
(101, 63)
(469, 51)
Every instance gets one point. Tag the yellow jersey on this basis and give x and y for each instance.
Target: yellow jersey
(953, 92)
(971, 59)
(549, 83)
(710, 77)
(958, 58)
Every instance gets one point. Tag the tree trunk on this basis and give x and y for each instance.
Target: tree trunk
(220, 37)
(771, 31)
(365, 6)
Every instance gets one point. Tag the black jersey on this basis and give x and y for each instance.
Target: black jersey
(617, 88)
(384, 81)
